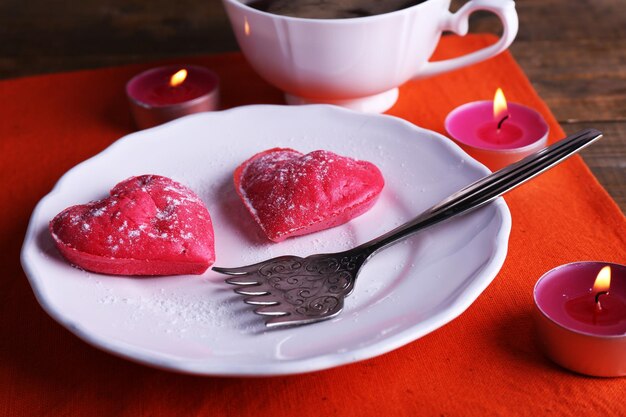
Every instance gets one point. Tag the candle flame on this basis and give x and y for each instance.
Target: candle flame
(178, 78)
(603, 280)
(499, 105)
(246, 26)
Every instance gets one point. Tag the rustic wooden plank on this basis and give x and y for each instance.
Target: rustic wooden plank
(543, 20)
(571, 20)
(562, 59)
(585, 80)
(50, 36)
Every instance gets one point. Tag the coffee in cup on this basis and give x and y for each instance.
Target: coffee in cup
(331, 9)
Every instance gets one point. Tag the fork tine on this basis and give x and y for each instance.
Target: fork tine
(261, 300)
(234, 271)
(275, 310)
(242, 280)
(294, 320)
(251, 290)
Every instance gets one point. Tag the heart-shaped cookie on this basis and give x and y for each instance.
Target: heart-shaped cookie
(291, 194)
(150, 225)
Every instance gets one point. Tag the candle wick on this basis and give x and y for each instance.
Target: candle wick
(598, 305)
(502, 121)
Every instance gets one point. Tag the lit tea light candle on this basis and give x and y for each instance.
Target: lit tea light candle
(581, 317)
(162, 94)
(497, 133)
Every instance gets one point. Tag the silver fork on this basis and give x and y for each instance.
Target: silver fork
(294, 290)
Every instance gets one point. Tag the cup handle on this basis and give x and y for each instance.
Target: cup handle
(459, 24)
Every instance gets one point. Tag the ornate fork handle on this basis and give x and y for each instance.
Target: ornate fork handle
(486, 189)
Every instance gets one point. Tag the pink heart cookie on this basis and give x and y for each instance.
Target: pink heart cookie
(150, 225)
(291, 194)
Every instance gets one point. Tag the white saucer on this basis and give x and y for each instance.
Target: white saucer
(196, 324)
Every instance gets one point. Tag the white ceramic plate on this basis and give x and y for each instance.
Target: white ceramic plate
(196, 324)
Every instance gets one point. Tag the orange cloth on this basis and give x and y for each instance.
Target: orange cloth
(486, 362)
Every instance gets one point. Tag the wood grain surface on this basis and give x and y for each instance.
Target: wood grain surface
(573, 51)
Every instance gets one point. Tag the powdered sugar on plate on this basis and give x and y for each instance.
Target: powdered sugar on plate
(176, 313)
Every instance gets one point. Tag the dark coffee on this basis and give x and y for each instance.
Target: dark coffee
(331, 9)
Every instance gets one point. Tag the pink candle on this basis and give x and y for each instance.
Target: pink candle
(581, 317)
(162, 94)
(497, 133)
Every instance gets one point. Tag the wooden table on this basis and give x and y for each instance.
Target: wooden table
(572, 51)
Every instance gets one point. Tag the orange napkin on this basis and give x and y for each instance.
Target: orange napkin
(486, 362)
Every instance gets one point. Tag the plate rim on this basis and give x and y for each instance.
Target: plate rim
(288, 367)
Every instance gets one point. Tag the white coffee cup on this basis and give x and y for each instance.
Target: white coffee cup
(358, 62)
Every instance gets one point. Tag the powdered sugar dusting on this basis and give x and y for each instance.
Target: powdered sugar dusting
(287, 191)
(97, 212)
(179, 314)
(149, 217)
